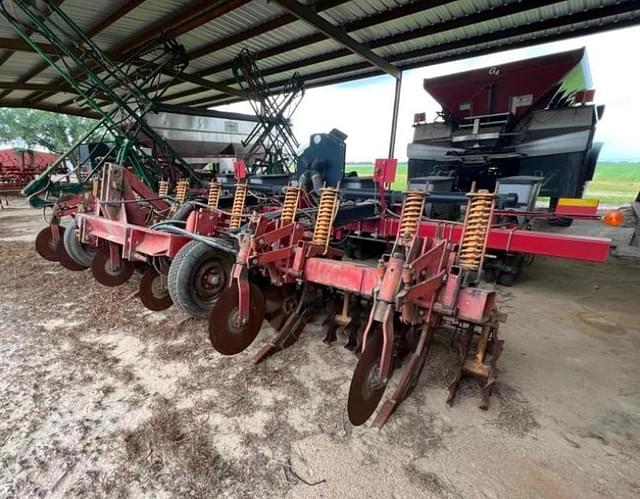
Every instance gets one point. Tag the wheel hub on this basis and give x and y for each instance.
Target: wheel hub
(210, 280)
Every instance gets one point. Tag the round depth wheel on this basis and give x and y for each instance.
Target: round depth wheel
(105, 273)
(197, 276)
(78, 252)
(46, 246)
(366, 390)
(227, 336)
(153, 290)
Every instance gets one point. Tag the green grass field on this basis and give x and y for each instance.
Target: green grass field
(613, 183)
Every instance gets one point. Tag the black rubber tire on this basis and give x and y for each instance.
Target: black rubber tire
(184, 271)
(489, 275)
(78, 252)
(507, 279)
(560, 221)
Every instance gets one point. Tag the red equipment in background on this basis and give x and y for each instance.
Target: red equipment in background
(18, 167)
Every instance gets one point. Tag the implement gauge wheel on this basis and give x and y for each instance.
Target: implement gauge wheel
(197, 276)
(46, 246)
(78, 252)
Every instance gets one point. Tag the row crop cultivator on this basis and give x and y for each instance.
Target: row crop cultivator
(120, 91)
(427, 282)
(123, 89)
(267, 247)
(183, 244)
(268, 243)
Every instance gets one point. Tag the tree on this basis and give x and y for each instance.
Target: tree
(54, 131)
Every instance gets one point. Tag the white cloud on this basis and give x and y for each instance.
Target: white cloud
(363, 109)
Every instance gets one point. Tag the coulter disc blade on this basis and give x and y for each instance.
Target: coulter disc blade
(105, 274)
(65, 259)
(153, 291)
(366, 390)
(45, 245)
(227, 336)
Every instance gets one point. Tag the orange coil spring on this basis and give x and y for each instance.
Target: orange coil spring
(238, 206)
(411, 213)
(324, 220)
(96, 187)
(181, 190)
(290, 205)
(163, 188)
(477, 222)
(214, 195)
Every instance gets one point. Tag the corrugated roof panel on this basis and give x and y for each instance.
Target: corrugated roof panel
(487, 27)
(142, 17)
(257, 12)
(323, 66)
(14, 66)
(302, 53)
(265, 41)
(505, 43)
(247, 16)
(351, 11)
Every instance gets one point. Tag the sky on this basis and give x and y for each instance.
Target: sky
(362, 109)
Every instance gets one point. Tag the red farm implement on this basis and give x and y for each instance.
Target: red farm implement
(185, 244)
(19, 167)
(428, 282)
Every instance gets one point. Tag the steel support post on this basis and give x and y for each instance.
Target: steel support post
(394, 116)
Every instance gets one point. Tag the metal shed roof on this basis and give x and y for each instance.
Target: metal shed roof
(326, 41)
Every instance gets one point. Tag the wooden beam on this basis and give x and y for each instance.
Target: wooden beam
(20, 103)
(187, 18)
(355, 25)
(11, 85)
(97, 28)
(608, 18)
(19, 45)
(321, 24)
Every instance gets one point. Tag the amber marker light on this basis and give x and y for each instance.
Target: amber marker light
(613, 218)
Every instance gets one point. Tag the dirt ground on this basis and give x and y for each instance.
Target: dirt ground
(99, 397)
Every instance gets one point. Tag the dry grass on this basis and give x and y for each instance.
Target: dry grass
(175, 447)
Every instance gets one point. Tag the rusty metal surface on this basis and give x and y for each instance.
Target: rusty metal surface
(46, 244)
(153, 290)
(106, 272)
(366, 387)
(409, 295)
(65, 260)
(228, 336)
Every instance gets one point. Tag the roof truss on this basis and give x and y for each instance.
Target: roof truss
(409, 44)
